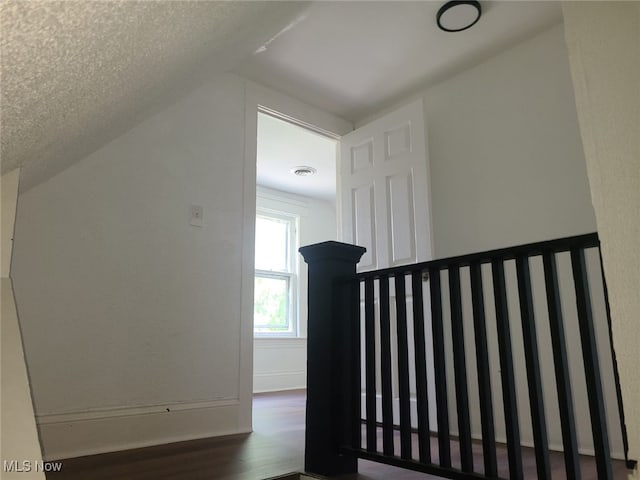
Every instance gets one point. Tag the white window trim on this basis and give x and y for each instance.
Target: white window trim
(293, 310)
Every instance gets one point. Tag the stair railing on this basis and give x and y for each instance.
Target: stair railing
(391, 351)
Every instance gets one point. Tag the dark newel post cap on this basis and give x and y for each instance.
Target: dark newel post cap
(332, 250)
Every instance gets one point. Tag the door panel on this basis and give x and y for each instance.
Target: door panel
(397, 141)
(385, 189)
(401, 237)
(361, 156)
(364, 223)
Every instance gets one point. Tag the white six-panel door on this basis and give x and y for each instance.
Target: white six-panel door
(385, 189)
(384, 206)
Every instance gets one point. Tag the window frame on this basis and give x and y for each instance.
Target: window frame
(290, 274)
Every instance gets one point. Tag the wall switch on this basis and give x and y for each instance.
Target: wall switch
(196, 216)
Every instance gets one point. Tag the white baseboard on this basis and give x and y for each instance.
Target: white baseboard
(277, 381)
(76, 434)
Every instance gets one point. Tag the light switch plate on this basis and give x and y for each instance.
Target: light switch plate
(197, 219)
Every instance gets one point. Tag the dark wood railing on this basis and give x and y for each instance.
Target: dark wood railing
(373, 336)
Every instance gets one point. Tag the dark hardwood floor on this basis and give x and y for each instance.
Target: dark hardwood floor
(276, 447)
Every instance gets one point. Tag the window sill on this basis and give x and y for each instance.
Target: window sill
(292, 341)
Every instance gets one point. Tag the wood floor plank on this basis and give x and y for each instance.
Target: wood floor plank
(276, 447)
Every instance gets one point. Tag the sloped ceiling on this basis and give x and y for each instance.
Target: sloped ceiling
(76, 74)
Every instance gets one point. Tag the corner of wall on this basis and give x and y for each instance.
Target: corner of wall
(20, 442)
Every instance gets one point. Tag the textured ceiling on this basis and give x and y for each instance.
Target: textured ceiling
(75, 74)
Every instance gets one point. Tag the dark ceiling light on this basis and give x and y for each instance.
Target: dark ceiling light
(458, 15)
(303, 171)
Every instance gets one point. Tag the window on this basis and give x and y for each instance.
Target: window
(275, 306)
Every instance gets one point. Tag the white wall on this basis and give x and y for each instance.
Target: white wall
(19, 438)
(603, 39)
(507, 168)
(138, 326)
(9, 187)
(127, 309)
(281, 363)
(507, 165)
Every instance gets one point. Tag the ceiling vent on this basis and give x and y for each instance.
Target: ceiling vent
(303, 171)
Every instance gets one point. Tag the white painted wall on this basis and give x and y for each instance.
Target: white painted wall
(603, 40)
(281, 363)
(137, 326)
(19, 438)
(9, 188)
(507, 168)
(126, 308)
(507, 165)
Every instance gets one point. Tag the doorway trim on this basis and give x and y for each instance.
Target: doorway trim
(259, 98)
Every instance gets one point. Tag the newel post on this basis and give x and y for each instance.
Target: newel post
(329, 361)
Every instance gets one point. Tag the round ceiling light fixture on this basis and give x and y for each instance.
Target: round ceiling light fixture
(458, 15)
(303, 171)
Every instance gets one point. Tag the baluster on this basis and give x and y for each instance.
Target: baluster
(506, 369)
(460, 371)
(444, 446)
(631, 464)
(356, 383)
(591, 365)
(484, 378)
(370, 362)
(561, 366)
(424, 438)
(403, 368)
(385, 357)
(534, 379)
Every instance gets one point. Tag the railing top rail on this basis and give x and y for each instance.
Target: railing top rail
(588, 240)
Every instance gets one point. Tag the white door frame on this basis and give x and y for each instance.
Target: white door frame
(259, 98)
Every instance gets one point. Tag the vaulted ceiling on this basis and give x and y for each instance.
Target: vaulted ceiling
(77, 74)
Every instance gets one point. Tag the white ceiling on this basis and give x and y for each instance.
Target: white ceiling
(283, 146)
(351, 58)
(77, 74)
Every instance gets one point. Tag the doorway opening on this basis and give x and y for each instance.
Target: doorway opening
(295, 205)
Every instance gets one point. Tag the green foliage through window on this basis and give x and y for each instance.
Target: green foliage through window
(275, 278)
(270, 305)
